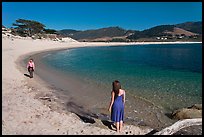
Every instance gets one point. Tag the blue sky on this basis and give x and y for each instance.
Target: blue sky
(95, 15)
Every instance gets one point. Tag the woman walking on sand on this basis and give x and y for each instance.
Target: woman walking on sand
(116, 106)
(31, 67)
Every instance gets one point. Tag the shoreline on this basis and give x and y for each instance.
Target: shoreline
(72, 87)
(24, 91)
(81, 94)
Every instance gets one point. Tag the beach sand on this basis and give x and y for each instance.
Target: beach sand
(26, 112)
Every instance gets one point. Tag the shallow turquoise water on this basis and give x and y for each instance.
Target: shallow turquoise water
(169, 76)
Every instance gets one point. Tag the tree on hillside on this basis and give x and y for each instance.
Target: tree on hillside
(28, 27)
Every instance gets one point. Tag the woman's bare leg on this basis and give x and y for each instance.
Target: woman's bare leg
(121, 126)
(117, 126)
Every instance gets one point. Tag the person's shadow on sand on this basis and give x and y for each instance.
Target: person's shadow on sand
(109, 124)
(27, 75)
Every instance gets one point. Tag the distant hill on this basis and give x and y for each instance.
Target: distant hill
(153, 32)
(195, 27)
(177, 31)
(103, 33)
(184, 31)
(68, 32)
(162, 30)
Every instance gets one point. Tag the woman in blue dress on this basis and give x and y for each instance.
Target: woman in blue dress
(116, 106)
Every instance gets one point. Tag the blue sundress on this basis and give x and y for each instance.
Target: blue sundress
(117, 112)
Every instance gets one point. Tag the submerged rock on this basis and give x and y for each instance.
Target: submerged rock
(196, 106)
(194, 111)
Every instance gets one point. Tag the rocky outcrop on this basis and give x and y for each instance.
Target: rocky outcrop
(195, 111)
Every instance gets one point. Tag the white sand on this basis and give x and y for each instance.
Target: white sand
(23, 113)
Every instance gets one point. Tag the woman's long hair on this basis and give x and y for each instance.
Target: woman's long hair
(116, 86)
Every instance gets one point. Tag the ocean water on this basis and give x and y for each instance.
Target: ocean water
(169, 75)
